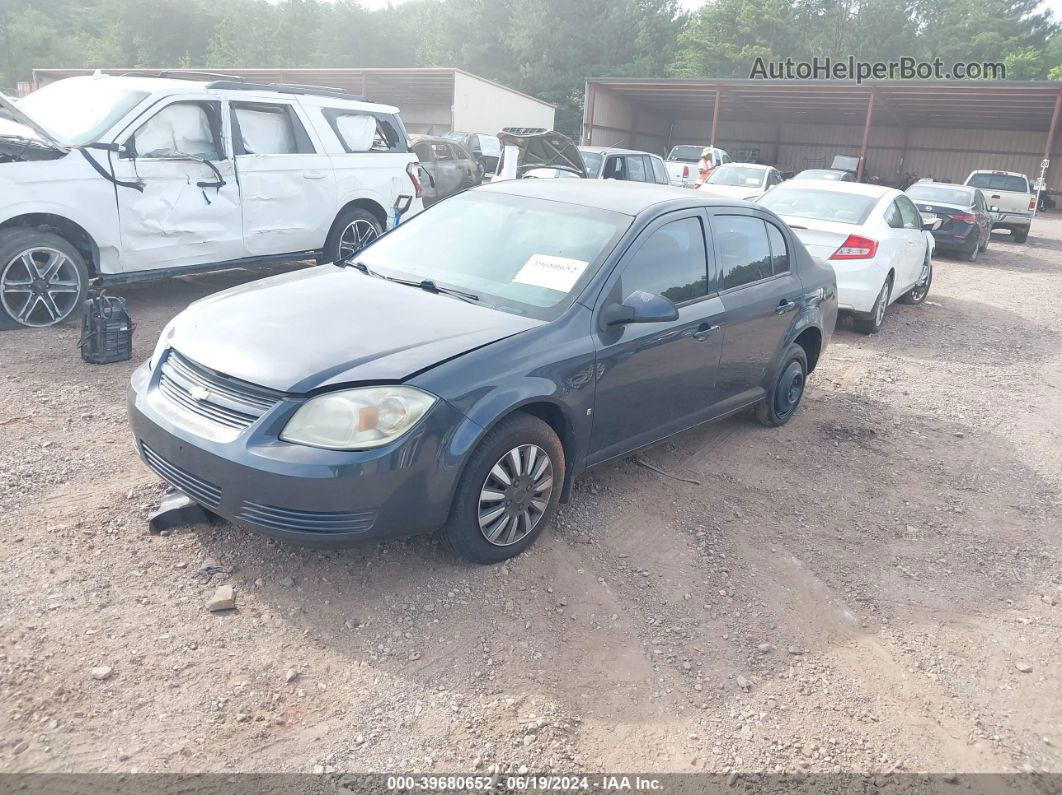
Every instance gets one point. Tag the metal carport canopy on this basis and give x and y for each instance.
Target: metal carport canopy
(967, 105)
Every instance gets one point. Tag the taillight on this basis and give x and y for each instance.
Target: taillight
(412, 169)
(964, 219)
(856, 247)
(1032, 202)
(685, 172)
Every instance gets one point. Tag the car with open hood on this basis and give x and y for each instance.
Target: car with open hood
(464, 368)
(142, 175)
(537, 152)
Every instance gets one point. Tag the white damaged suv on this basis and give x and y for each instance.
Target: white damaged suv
(140, 176)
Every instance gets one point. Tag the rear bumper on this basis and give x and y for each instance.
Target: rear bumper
(858, 284)
(315, 497)
(1012, 221)
(956, 238)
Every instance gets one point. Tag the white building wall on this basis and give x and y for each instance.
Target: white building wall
(484, 107)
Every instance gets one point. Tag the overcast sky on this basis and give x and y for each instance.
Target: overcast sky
(1054, 5)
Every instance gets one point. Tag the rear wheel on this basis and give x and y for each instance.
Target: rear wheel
(354, 229)
(43, 279)
(508, 492)
(987, 239)
(784, 398)
(870, 323)
(1021, 235)
(970, 255)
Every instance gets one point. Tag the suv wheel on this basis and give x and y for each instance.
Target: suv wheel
(508, 492)
(43, 279)
(870, 323)
(1021, 235)
(352, 231)
(782, 401)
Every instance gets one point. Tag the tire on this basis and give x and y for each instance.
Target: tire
(918, 294)
(353, 229)
(43, 279)
(471, 523)
(783, 400)
(987, 240)
(870, 323)
(1021, 235)
(972, 254)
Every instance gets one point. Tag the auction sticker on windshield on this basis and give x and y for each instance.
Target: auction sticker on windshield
(553, 273)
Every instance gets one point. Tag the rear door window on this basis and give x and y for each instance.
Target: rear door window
(441, 152)
(659, 171)
(744, 250)
(636, 168)
(268, 129)
(423, 152)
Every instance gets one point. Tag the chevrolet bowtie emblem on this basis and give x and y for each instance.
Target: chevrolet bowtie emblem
(198, 393)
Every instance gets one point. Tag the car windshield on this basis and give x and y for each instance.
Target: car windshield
(686, 154)
(743, 176)
(999, 182)
(820, 205)
(934, 193)
(79, 110)
(518, 254)
(821, 174)
(593, 161)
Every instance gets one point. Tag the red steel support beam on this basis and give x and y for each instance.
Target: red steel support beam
(715, 115)
(1054, 123)
(866, 139)
(588, 128)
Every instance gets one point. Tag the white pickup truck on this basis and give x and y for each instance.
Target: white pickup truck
(1010, 200)
(681, 163)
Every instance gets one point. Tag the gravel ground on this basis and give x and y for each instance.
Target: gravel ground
(875, 587)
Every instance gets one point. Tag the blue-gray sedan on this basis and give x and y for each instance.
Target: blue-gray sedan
(463, 369)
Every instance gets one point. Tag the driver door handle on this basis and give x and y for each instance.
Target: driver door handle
(785, 305)
(312, 175)
(704, 331)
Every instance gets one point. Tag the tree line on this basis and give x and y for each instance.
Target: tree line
(542, 47)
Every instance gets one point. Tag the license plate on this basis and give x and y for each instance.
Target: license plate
(929, 217)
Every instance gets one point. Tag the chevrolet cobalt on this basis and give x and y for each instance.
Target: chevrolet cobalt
(462, 370)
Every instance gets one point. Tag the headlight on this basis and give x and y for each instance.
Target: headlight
(161, 345)
(357, 419)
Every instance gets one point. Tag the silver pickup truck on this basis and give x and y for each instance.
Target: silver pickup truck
(681, 163)
(1010, 200)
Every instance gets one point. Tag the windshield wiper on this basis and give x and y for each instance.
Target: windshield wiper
(424, 284)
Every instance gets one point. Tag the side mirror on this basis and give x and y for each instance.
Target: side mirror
(640, 307)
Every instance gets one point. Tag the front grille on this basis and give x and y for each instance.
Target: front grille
(305, 521)
(202, 491)
(212, 395)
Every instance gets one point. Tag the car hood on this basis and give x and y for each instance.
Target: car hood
(541, 148)
(326, 326)
(13, 121)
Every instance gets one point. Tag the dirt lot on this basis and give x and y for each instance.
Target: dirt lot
(875, 587)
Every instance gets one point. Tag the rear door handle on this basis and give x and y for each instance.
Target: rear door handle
(312, 175)
(785, 305)
(704, 331)
(995, 196)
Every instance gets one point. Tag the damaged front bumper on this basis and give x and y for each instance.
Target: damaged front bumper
(310, 496)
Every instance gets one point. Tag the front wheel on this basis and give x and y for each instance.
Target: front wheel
(43, 279)
(784, 398)
(352, 231)
(920, 291)
(508, 492)
(870, 323)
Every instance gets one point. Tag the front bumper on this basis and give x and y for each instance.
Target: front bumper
(858, 284)
(324, 498)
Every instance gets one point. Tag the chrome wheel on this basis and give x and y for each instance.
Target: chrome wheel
(40, 287)
(356, 237)
(515, 495)
(918, 292)
(882, 305)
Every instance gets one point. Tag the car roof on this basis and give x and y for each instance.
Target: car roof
(858, 188)
(747, 165)
(422, 137)
(942, 185)
(998, 172)
(629, 198)
(613, 150)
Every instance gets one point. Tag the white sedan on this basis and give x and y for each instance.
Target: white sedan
(873, 237)
(741, 181)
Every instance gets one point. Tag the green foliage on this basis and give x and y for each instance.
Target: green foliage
(543, 47)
